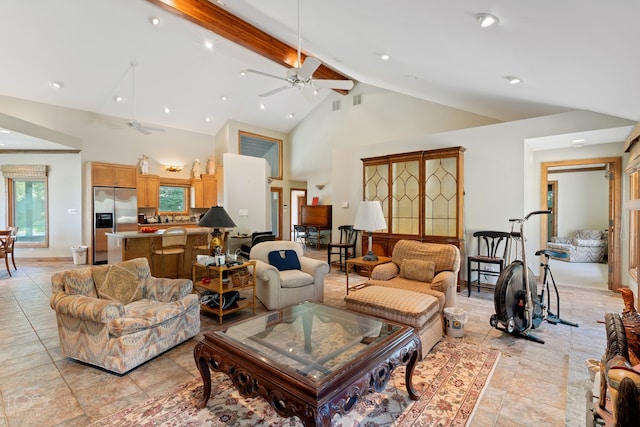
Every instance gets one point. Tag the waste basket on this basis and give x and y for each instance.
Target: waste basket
(455, 318)
(79, 254)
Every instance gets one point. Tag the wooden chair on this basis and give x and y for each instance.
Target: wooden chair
(346, 248)
(493, 247)
(13, 238)
(5, 239)
(172, 242)
(300, 235)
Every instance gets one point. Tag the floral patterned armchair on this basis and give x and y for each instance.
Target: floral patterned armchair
(581, 246)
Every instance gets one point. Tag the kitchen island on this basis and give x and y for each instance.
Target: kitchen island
(128, 245)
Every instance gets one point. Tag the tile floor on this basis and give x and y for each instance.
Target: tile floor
(533, 384)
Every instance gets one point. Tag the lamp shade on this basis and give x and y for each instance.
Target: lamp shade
(370, 216)
(216, 217)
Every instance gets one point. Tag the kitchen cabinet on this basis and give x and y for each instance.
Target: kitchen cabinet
(204, 191)
(113, 175)
(148, 191)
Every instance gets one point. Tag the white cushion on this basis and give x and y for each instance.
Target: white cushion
(295, 279)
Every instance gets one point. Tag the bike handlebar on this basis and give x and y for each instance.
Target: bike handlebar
(528, 215)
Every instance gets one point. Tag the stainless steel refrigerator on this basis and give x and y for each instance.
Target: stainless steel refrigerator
(114, 210)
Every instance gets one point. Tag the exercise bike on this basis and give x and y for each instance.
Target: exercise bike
(519, 308)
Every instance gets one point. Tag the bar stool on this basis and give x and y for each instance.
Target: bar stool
(172, 242)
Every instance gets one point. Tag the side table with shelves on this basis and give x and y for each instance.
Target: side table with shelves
(365, 265)
(217, 284)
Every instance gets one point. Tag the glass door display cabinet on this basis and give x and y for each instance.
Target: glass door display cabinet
(421, 195)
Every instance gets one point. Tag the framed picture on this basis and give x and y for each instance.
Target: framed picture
(315, 200)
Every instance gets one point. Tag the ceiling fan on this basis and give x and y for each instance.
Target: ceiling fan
(301, 76)
(133, 123)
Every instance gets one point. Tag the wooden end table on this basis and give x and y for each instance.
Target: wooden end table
(217, 284)
(368, 265)
(309, 360)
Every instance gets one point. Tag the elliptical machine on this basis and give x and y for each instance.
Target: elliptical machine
(518, 306)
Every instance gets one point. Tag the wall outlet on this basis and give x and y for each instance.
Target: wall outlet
(345, 205)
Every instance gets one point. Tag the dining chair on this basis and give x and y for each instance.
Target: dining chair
(492, 248)
(5, 238)
(300, 235)
(346, 248)
(12, 242)
(172, 242)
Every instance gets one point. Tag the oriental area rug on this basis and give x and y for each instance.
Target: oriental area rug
(451, 380)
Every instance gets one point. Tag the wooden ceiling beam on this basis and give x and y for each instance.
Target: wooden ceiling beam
(216, 19)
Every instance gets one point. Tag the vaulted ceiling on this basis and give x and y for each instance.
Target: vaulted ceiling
(570, 54)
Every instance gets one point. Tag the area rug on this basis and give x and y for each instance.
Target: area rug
(451, 378)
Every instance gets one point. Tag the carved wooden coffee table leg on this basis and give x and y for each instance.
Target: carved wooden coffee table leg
(413, 395)
(203, 367)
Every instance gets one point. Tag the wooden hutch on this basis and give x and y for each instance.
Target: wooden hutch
(421, 194)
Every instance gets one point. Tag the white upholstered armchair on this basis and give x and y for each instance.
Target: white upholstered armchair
(284, 276)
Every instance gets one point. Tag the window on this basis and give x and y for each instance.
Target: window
(264, 147)
(27, 203)
(173, 199)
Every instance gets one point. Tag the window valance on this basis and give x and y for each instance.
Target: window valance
(24, 171)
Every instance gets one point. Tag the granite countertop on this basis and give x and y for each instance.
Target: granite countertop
(137, 234)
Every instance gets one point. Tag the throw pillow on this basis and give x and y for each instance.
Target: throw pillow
(284, 260)
(416, 269)
(119, 282)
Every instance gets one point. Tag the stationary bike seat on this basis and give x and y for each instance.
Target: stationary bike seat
(554, 254)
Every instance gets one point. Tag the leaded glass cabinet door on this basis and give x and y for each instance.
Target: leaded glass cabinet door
(405, 197)
(441, 197)
(376, 185)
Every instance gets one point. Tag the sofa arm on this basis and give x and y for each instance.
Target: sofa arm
(563, 240)
(589, 243)
(385, 271)
(266, 272)
(318, 269)
(87, 308)
(167, 290)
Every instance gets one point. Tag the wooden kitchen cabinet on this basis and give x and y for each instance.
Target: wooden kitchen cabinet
(148, 191)
(113, 175)
(205, 190)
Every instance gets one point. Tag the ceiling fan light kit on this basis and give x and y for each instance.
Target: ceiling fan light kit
(487, 20)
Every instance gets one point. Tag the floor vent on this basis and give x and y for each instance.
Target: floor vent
(357, 99)
(335, 105)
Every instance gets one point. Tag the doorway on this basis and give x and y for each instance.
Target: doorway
(276, 212)
(611, 170)
(298, 197)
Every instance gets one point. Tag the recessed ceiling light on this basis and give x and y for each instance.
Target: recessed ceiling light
(385, 57)
(154, 20)
(207, 119)
(262, 106)
(57, 85)
(291, 115)
(118, 98)
(208, 45)
(220, 2)
(513, 80)
(167, 110)
(223, 98)
(4, 130)
(1, 145)
(487, 20)
(243, 73)
(316, 91)
(578, 140)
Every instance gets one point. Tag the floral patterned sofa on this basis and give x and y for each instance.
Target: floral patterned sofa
(581, 246)
(117, 316)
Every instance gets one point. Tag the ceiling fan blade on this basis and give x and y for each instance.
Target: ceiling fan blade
(333, 84)
(262, 73)
(154, 129)
(274, 91)
(309, 67)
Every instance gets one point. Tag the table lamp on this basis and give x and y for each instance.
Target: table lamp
(216, 218)
(370, 218)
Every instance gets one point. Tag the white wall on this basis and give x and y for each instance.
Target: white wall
(64, 195)
(583, 201)
(246, 192)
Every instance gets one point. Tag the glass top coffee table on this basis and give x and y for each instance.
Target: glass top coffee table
(309, 360)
